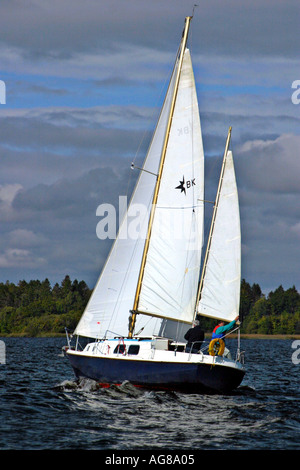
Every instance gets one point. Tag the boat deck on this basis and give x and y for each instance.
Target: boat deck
(150, 349)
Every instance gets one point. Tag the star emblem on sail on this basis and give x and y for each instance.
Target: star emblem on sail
(181, 186)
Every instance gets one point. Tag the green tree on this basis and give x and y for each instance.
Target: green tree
(35, 308)
(277, 300)
(264, 325)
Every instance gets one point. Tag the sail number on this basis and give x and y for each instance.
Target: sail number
(184, 185)
(183, 130)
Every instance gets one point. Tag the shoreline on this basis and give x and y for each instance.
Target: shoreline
(207, 335)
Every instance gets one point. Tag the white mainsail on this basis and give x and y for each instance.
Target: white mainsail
(112, 298)
(171, 274)
(220, 294)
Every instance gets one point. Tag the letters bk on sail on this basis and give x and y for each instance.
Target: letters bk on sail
(171, 274)
(112, 297)
(220, 295)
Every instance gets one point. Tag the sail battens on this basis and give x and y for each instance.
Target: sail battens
(229, 240)
(230, 281)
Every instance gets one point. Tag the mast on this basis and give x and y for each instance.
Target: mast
(213, 220)
(158, 180)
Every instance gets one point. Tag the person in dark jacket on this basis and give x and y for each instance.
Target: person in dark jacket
(194, 337)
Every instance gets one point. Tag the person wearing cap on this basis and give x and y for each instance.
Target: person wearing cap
(194, 337)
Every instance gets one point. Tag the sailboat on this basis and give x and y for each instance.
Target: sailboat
(153, 286)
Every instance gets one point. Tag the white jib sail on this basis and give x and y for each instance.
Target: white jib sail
(171, 274)
(220, 297)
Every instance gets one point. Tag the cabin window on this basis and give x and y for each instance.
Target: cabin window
(133, 349)
(120, 349)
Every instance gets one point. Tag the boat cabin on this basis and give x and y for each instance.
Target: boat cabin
(133, 346)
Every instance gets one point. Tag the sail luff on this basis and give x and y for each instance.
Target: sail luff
(213, 219)
(156, 190)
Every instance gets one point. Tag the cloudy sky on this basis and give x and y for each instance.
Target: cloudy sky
(84, 82)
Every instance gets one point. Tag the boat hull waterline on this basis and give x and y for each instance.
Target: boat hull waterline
(211, 374)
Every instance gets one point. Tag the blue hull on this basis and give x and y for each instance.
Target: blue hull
(191, 377)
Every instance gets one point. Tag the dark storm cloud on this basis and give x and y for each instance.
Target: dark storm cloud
(34, 133)
(57, 29)
(72, 197)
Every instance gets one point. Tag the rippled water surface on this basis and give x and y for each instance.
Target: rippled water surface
(43, 407)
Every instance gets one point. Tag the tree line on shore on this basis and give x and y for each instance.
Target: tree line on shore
(35, 308)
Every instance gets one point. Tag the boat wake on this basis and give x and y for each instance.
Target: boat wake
(125, 389)
(89, 385)
(85, 385)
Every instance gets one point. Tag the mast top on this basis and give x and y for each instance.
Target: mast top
(193, 11)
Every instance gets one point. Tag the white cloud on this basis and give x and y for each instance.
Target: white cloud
(17, 258)
(271, 166)
(25, 238)
(8, 193)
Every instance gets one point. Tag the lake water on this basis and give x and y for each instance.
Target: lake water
(44, 408)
